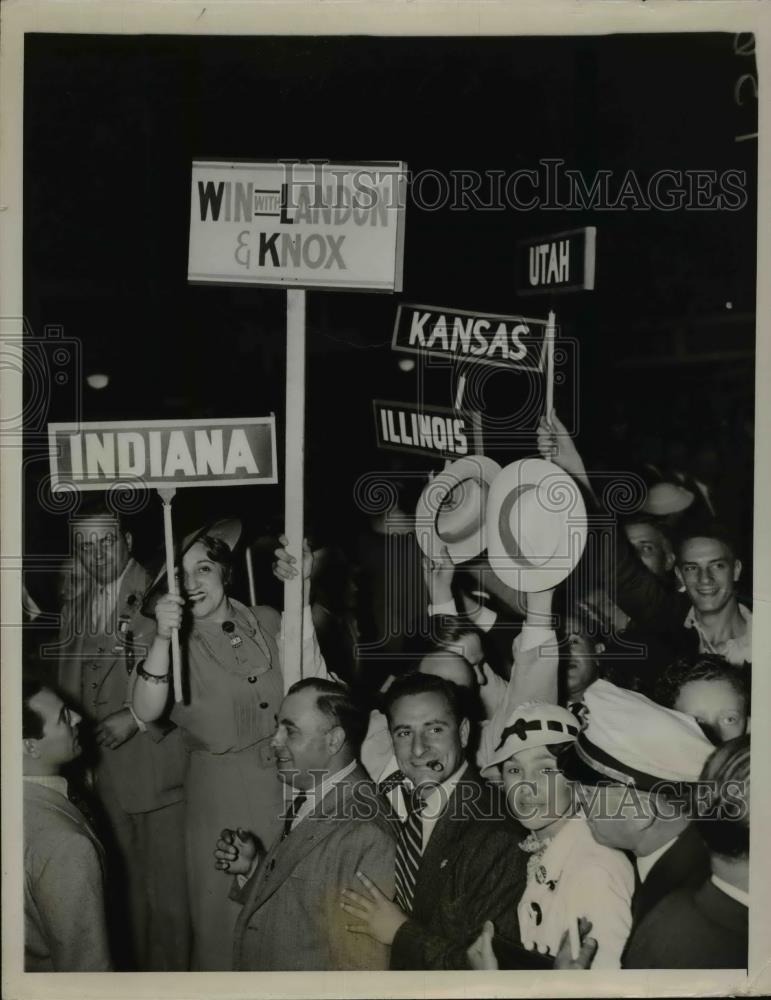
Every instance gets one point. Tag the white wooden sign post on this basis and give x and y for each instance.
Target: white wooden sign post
(552, 264)
(167, 495)
(294, 489)
(550, 326)
(297, 226)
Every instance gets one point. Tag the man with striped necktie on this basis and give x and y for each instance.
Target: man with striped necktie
(457, 859)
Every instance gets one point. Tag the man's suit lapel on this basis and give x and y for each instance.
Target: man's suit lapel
(120, 645)
(285, 855)
(728, 913)
(672, 870)
(446, 841)
(58, 803)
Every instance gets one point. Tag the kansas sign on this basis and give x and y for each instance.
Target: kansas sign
(161, 453)
(305, 225)
(507, 341)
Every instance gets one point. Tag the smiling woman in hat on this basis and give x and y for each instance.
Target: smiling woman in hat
(235, 687)
(569, 875)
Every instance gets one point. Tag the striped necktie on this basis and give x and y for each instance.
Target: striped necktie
(291, 814)
(409, 851)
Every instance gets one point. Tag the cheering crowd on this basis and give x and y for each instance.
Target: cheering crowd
(553, 774)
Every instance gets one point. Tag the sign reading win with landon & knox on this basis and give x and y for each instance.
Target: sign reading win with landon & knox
(307, 225)
(163, 453)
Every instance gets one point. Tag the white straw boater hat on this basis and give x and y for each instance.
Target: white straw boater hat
(534, 724)
(629, 739)
(457, 522)
(536, 525)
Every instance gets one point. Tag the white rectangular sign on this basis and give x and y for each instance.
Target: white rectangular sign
(486, 338)
(302, 225)
(162, 453)
(560, 262)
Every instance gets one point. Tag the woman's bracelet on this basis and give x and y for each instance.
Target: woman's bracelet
(152, 678)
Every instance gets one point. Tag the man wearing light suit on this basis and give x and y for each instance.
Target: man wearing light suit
(335, 826)
(138, 768)
(64, 918)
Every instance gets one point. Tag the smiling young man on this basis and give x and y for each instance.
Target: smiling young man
(707, 617)
(708, 569)
(64, 918)
(457, 858)
(335, 826)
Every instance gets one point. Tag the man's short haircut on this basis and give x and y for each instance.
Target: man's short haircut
(414, 684)
(32, 724)
(448, 630)
(725, 825)
(704, 667)
(704, 529)
(336, 702)
(642, 517)
(589, 621)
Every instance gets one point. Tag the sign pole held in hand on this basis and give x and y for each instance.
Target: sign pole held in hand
(291, 247)
(167, 495)
(459, 391)
(250, 576)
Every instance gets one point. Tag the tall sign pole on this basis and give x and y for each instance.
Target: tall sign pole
(550, 325)
(559, 262)
(294, 459)
(297, 226)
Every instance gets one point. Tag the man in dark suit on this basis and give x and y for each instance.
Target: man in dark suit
(458, 863)
(138, 768)
(636, 763)
(64, 917)
(706, 927)
(336, 825)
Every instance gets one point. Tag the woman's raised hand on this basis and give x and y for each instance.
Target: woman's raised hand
(168, 614)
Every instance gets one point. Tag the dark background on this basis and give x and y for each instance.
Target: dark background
(113, 123)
